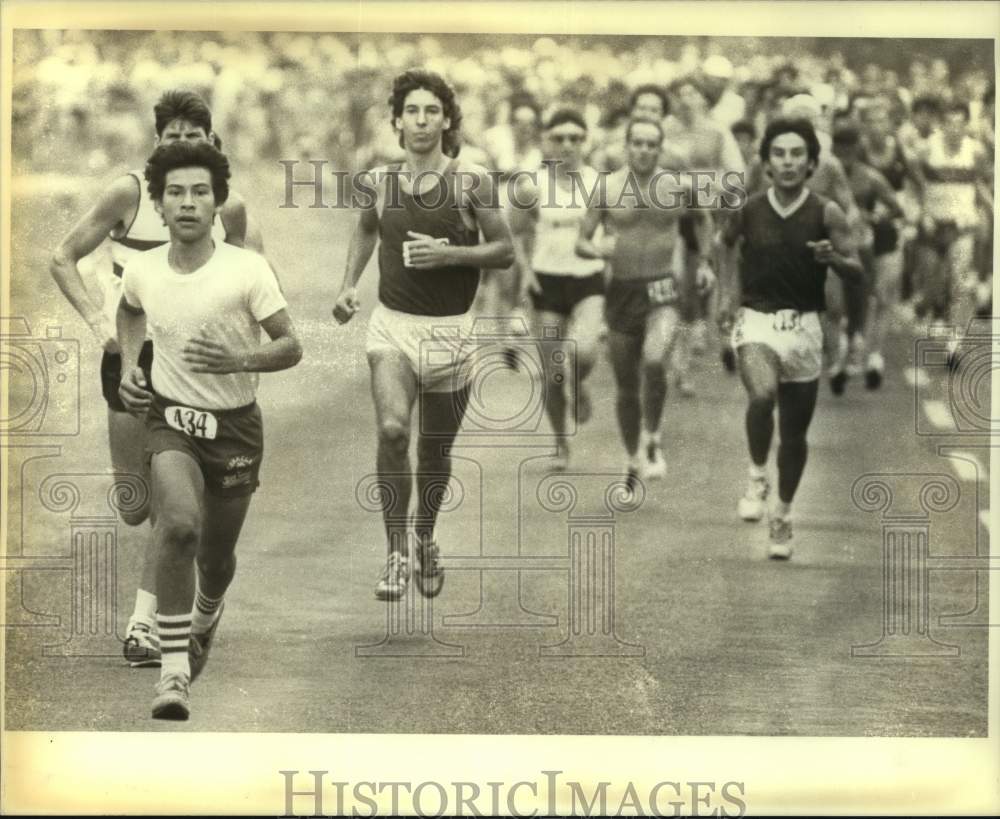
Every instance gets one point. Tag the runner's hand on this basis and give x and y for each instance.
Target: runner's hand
(134, 392)
(425, 252)
(214, 355)
(347, 305)
(529, 284)
(822, 250)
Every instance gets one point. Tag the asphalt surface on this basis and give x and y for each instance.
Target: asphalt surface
(710, 638)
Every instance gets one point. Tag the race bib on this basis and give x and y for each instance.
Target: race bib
(662, 291)
(196, 423)
(785, 320)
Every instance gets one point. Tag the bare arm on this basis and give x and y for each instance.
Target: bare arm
(359, 252)
(887, 196)
(728, 262)
(585, 245)
(133, 389)
(219, 356)
(522, 225)
(113, 207)
(838, 251)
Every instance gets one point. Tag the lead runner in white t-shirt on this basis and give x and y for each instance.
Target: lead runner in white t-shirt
(205, 303)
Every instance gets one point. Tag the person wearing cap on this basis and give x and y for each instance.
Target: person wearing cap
(729, 107)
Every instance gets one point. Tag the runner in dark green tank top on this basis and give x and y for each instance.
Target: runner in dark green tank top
(429, 262)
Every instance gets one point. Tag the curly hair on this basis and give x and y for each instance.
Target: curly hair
(780, 126)
(168, 158)
(417, 78)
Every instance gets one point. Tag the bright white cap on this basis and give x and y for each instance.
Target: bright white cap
(824, 94)
(801, 105)
(718, 66)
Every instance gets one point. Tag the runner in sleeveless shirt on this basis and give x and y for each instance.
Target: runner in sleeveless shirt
(125, 214)
(787, 237)
(566, 290)
(959, 177)
(427, 227)
(641, 211)
(206, 302)
(879, 249)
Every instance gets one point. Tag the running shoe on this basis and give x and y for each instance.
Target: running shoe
(751, 506)
(655, 467)
(430, 572)
(780, 547)
(172, 700)
(200, 644)
(395, 577)
(874, 371)
(142, 645)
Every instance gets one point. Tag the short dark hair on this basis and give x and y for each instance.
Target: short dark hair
(524, 100)
(650, 88)
(961, 107)
(846, 136)
(932, 105)
(564, 115)
(642, 121)
(784, 125)
(180, 104)
(168, 158)
(745, 127)
(695, 82)
(416, 78)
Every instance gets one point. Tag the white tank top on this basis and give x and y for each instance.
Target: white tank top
(560, 212)
(951, 181)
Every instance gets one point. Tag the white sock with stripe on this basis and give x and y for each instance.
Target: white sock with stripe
(205, 610)
(145, 608)
(175, 633)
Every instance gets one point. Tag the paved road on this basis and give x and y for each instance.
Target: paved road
(712, 638)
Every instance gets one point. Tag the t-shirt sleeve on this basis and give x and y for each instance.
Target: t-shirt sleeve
(131, 284)
(264, 296)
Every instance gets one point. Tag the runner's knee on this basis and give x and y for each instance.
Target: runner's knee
(179, 530)
(215, 567)
(394, 436)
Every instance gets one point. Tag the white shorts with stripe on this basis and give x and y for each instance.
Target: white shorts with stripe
(796, 338)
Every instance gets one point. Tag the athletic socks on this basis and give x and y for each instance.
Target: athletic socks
(145, 608)
(175, 633)
(757, 472)
(204, 612)
(782, 510)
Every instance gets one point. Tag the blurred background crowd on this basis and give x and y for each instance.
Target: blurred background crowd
(88, 95)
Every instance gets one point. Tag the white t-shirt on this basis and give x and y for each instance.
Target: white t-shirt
(226, 298)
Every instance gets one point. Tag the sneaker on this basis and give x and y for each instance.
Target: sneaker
(631, 483)
(200, 644)
(655, 467)
(395, 577)
(780, 547)
(430, 572)
(172, 697)
(751, 506)
(874, 371)
(142, 645)
(838, 381)
(584, 406)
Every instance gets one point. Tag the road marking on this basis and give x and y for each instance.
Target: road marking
(937, 413)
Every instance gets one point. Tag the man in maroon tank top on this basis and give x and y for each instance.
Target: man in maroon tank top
(427, 217)
(787, 238)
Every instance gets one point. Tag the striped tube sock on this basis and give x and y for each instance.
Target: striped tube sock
(175, 633)
(204, 612)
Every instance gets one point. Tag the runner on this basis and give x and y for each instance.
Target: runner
(204, 303)
(427, 228)
(566, 290)
(787, 238)
(125, 214)
(642, 211)
(879, 251)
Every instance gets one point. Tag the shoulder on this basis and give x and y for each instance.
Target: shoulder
(833, 214)
(123, 192)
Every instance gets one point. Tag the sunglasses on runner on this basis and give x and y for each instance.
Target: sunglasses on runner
(573, 139)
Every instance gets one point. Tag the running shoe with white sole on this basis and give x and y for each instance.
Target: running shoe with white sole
(780, 546)
(430, 573)
(172, 700)
(655, 468)
(751, 506)
(200, 644)
(142, 645)
(395, 578)
(874, 371)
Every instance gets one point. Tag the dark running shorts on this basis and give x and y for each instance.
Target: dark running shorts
(111, 374)
(228, 445)
(628, 302)
(885, 237)
(560, 294)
